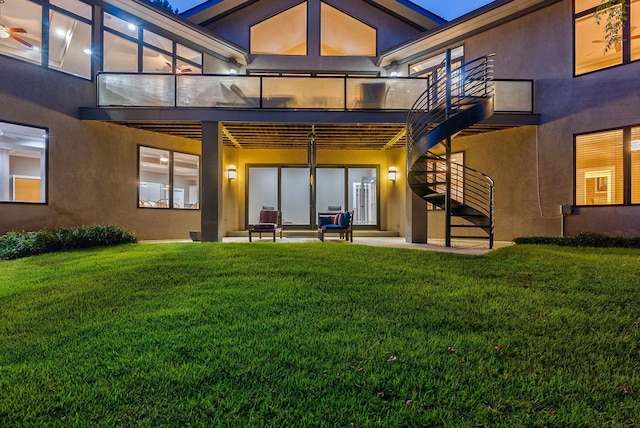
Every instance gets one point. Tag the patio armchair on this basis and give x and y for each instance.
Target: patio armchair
(340, 223)
(270, 222)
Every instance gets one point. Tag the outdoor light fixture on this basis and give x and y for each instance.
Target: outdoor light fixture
(233, 71)
(394, 74)
(231, 172)
(393, 173)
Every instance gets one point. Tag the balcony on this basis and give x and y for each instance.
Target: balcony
(278, 92)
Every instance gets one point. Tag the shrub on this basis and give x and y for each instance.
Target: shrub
(14, 245)
(582, 240)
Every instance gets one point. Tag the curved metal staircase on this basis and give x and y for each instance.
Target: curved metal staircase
(454, 100)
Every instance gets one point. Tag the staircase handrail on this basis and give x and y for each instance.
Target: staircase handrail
(444, 109)
(471, 81)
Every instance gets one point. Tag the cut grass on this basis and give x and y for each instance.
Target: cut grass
(320, 335)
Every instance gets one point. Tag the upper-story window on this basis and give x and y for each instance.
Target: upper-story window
(426, 67)
(21, 30)
(340, 34)
(343, 35)
(122, 43)
(268, 37)
(70, 37)
(590, 46)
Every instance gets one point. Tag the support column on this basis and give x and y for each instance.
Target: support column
(312, 163)
(416, 218)
(211, 209)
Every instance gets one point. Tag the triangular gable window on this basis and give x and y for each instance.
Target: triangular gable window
(343, 35)
(282, 34)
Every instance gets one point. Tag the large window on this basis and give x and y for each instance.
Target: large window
(268, 37)
(70, 37)
(23, 157)
(635, 165)
(122, 40)
(437, 173)
(426, 67)
(343, 35)
(340, 34)
(160, 171)
(590, 45)
(22, 36)
(608, 167)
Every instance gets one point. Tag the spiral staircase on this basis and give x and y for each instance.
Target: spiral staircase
(456, 99)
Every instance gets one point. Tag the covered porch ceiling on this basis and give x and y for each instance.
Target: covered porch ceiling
(295, 136)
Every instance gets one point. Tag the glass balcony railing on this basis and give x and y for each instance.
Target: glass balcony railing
(276, 92)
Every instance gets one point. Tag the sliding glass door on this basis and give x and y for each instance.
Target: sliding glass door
(289, 189)
(296, 197)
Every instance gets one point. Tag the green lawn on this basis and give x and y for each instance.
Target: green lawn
(319, 334)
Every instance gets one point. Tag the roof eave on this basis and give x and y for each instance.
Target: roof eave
(178, 25)
(475, 22)
(407, 10)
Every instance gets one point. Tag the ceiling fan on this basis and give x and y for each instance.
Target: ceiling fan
(9, 32)
(179, 70)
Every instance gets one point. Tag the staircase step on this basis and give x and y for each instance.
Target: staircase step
(435, 195)
(436, 183)
(470, 237)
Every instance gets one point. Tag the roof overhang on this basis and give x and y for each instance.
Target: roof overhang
(478, 21)
(276, 129)
(182, 28)
(211, 9)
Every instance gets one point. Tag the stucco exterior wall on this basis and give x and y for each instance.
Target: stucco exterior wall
(509, 157)
(539, 46)
(92, 166)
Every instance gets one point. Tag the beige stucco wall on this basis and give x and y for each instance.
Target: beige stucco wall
(92, 166)
(534, 170)
(509, 158)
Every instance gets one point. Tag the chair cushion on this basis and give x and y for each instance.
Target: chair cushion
(346, 219)
(269, 216)
(332, 227)
(265, 226)
(324, 219)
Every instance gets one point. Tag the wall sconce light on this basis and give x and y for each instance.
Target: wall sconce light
(393, 174)
(393, 69)
(231, 172)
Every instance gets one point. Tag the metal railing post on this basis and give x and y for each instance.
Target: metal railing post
(447, 200)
